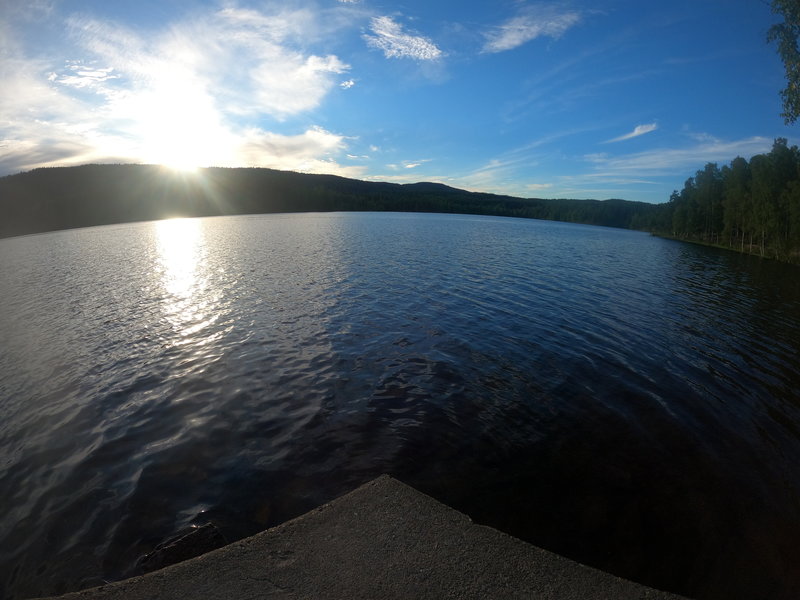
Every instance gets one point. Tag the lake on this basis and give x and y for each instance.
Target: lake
(627, 401)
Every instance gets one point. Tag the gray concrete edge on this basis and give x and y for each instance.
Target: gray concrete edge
(383, 540)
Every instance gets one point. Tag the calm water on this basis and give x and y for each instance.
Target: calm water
(624, 400)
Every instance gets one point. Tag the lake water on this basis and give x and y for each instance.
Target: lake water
(624, 400)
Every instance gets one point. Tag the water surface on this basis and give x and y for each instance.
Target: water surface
(627, 401)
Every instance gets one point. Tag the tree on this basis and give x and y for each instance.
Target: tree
(784, 161)
(708, 186)
(786, 34)
(765, 199)
(752, 206)
(793, 200)
(736, 199)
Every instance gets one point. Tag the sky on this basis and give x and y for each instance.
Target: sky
(579, 99)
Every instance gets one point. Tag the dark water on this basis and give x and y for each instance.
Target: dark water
(627, 401)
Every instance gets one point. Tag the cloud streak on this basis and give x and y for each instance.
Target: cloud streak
(544, 20)
(389, 37)
(408, 164)
(637, 131)
(678, 161)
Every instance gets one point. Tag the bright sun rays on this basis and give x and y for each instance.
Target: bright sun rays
(178, 125)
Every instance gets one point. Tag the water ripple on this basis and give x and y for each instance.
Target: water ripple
(627, 401)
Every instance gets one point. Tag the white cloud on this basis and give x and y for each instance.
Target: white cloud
(637, 131)
(311, 152)
(187, 89)
(40, 123)
(413, 164)
(253, 27)
(292, 85)
(83, 76)
(409, 164)
(247, 59)
(390, 38)
(346, 85)
(536, 21)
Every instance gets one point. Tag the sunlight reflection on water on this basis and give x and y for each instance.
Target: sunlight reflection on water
(182, 254)
(181, 250)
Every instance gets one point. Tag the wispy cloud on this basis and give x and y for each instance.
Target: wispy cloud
(637, 131)
(80, 75)
(498, 175)
(524, 156)
(408, 164)
(535, 21)
(569, 82)
(389, 37)
(28, 11)
(678, 161)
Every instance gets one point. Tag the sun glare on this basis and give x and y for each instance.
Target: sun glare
(179, 127)
(181, 166)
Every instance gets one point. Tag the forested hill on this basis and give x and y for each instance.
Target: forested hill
(66, 197)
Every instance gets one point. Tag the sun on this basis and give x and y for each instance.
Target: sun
(180, 145)
(180, 165)
(179, 127)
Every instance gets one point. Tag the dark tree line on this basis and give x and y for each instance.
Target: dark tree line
(749, 206)
(68, 197)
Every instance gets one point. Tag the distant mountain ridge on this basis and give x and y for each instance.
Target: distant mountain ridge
(54, 198)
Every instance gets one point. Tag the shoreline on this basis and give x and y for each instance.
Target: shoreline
(768, 256)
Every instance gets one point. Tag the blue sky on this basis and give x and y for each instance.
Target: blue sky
(603, 99)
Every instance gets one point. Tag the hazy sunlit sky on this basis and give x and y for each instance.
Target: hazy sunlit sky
(602, 99)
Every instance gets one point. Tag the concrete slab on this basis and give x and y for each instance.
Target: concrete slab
(383, 540)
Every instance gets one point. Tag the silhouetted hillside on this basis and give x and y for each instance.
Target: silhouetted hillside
(66, 197)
